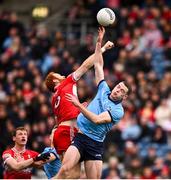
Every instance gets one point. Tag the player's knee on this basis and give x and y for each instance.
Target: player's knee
(65, 169)
(74, 175)
(70, 173)
(99, 175)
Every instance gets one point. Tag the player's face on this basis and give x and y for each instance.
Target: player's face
(119, 92)
(57, 78)
(21, 137)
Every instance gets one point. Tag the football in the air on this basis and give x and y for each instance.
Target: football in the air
(105, 17)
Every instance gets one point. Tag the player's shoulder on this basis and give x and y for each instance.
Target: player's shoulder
(47, 149)
(102, 84)
(116, 104)
(71, 78)
(7, 154)
(8, 151)
(118, 111)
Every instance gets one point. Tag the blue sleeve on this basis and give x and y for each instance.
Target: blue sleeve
(47, 149)
(116, 114)
(51, 150)
(103, 86)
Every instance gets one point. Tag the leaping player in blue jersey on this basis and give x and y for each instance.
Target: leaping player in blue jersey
(104, 111)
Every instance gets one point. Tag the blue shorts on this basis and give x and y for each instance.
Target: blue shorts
(88, 148)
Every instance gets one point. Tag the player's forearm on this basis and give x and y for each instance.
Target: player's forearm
(98, 63)
(98, 54)
(89, 62)
(88, 114)
(98, 60)
(25, 164)
(21, 165)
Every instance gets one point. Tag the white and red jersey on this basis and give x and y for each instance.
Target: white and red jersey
(62, 108)
(18, 156)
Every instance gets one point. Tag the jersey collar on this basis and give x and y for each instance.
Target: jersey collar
(16, 151)
(115, 102)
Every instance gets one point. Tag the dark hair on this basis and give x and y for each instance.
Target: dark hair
(17, 129)
(129, 87)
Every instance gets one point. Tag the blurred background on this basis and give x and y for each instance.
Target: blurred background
(37, 37)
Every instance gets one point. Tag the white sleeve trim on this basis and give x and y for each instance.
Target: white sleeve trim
(7, 159)
(74, 78)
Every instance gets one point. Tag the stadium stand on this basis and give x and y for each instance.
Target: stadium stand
(140, 145)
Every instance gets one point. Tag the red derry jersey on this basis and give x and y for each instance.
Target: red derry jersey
(18, 156)
(63, 109)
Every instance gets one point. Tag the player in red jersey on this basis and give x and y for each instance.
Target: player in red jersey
(64, 110)
(18, 160)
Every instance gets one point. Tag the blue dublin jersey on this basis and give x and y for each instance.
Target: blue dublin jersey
(99, 104)
(52, 168)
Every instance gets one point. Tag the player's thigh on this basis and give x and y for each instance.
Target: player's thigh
(71, 157)
(93, 168)
(73, 173)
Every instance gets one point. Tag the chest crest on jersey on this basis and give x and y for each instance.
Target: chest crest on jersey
(18, 157)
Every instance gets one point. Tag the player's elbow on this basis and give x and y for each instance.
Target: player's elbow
(97, 120)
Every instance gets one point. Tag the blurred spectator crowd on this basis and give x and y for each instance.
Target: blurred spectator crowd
(140, 145)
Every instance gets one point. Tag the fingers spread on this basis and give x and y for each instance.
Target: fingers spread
(68, 96)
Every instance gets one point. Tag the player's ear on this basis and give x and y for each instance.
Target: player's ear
(125, 97)
(13, 138)
(55, 80)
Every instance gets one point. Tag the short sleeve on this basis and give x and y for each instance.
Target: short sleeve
(115, 113)
(103, 86)
(47, 149)
(6, 155)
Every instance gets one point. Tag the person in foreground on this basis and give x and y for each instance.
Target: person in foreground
(104, 111)
(64, 111)
(18, 161)
(52, 166)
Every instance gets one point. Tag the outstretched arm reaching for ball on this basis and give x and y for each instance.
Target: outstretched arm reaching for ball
(88, 63)
(98, 63)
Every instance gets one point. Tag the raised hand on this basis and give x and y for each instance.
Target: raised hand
(101, 32)
(108, 45)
